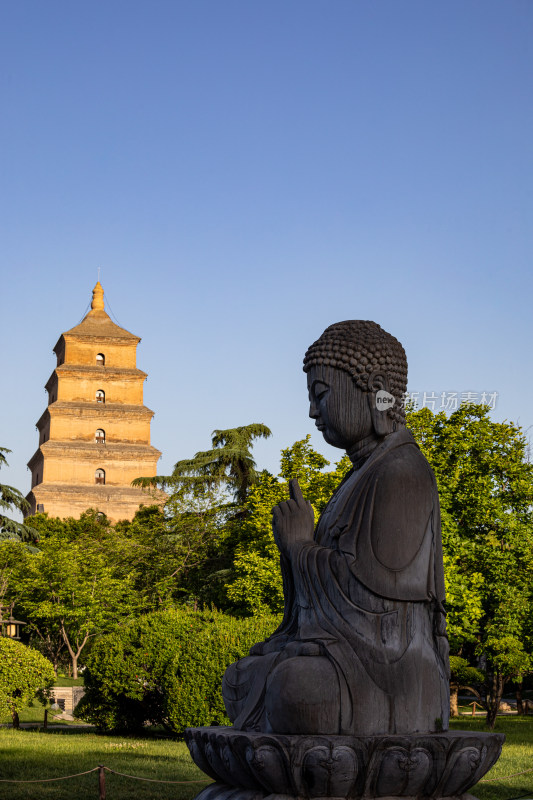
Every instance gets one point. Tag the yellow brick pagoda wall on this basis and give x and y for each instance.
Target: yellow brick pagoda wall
(83, 429)
(84, 352)
(82, 388)
(118, 472)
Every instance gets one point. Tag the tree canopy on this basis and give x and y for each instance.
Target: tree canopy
(485, 485)
(229, 463)
(74, 587)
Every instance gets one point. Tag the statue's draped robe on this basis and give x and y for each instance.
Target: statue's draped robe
(367, 595)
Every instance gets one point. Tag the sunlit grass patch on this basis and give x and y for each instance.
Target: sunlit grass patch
(28, 755)
(517, 757)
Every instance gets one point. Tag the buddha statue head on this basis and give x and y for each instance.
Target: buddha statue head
(357, 378)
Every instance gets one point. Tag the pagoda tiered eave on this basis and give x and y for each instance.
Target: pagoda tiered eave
(98, 411)
(92, 450)
(105, 373)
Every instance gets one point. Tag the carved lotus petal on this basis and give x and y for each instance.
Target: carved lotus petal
(329, 771)
(461, 767)
(268, 766)
(316, 771)
(197, 753)
(212, 753)
(403, 772)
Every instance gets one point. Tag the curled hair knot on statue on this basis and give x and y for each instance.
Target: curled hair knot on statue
(363, 349)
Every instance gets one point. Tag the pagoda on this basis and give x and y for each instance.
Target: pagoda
(94, 437)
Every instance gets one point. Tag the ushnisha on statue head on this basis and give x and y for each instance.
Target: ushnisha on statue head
(357, 378)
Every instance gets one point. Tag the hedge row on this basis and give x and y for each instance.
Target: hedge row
(166, 668)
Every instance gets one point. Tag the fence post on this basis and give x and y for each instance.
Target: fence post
(101, 781)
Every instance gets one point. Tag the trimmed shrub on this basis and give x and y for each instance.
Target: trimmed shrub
(166, 668)
(24, 674)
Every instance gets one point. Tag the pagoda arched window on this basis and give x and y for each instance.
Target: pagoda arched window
(100, 360)
(99, 476)
(99, 436)
(100, 396)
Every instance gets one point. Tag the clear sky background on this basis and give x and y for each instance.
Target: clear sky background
(246, 172)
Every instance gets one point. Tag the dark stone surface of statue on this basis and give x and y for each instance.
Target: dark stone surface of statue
(356, 676)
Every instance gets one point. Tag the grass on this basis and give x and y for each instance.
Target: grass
(35, 713)
(29, 754)
(517, 756)
(61, 681)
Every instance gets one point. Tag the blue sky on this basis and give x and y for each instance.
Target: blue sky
(246, 173)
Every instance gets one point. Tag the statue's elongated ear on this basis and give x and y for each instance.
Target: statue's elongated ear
(378, 380)
(378, 389)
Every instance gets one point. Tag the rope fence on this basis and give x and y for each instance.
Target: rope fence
(504, 777)
(102, 769)
(50, 780)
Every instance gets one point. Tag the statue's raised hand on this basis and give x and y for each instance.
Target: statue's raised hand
(293, 521)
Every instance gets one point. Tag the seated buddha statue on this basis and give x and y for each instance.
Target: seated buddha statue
(362, 648)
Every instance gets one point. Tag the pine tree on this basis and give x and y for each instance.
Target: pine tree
(228, 464)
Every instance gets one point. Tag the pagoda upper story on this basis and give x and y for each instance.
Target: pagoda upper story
(94, 436)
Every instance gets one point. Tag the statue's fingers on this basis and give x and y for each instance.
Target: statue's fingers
(286, 508)
(296, 493)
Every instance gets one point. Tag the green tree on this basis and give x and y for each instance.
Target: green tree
(74, 587)
(229, 463)
(24, 673)
(173, 555)
(486, 493)
(204, 494)
(11, 499)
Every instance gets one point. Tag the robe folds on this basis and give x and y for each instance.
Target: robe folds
(366, 594)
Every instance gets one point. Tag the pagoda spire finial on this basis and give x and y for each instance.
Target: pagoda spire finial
(97, 303)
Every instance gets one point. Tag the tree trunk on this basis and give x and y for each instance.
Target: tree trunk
(454, 700)
(519, 701)
(493, 700)
(15, 718)
(73, 655)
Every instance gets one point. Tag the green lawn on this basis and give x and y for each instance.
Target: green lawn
(62, 681)
(35, 713)
(28, 754)
(517, 756)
